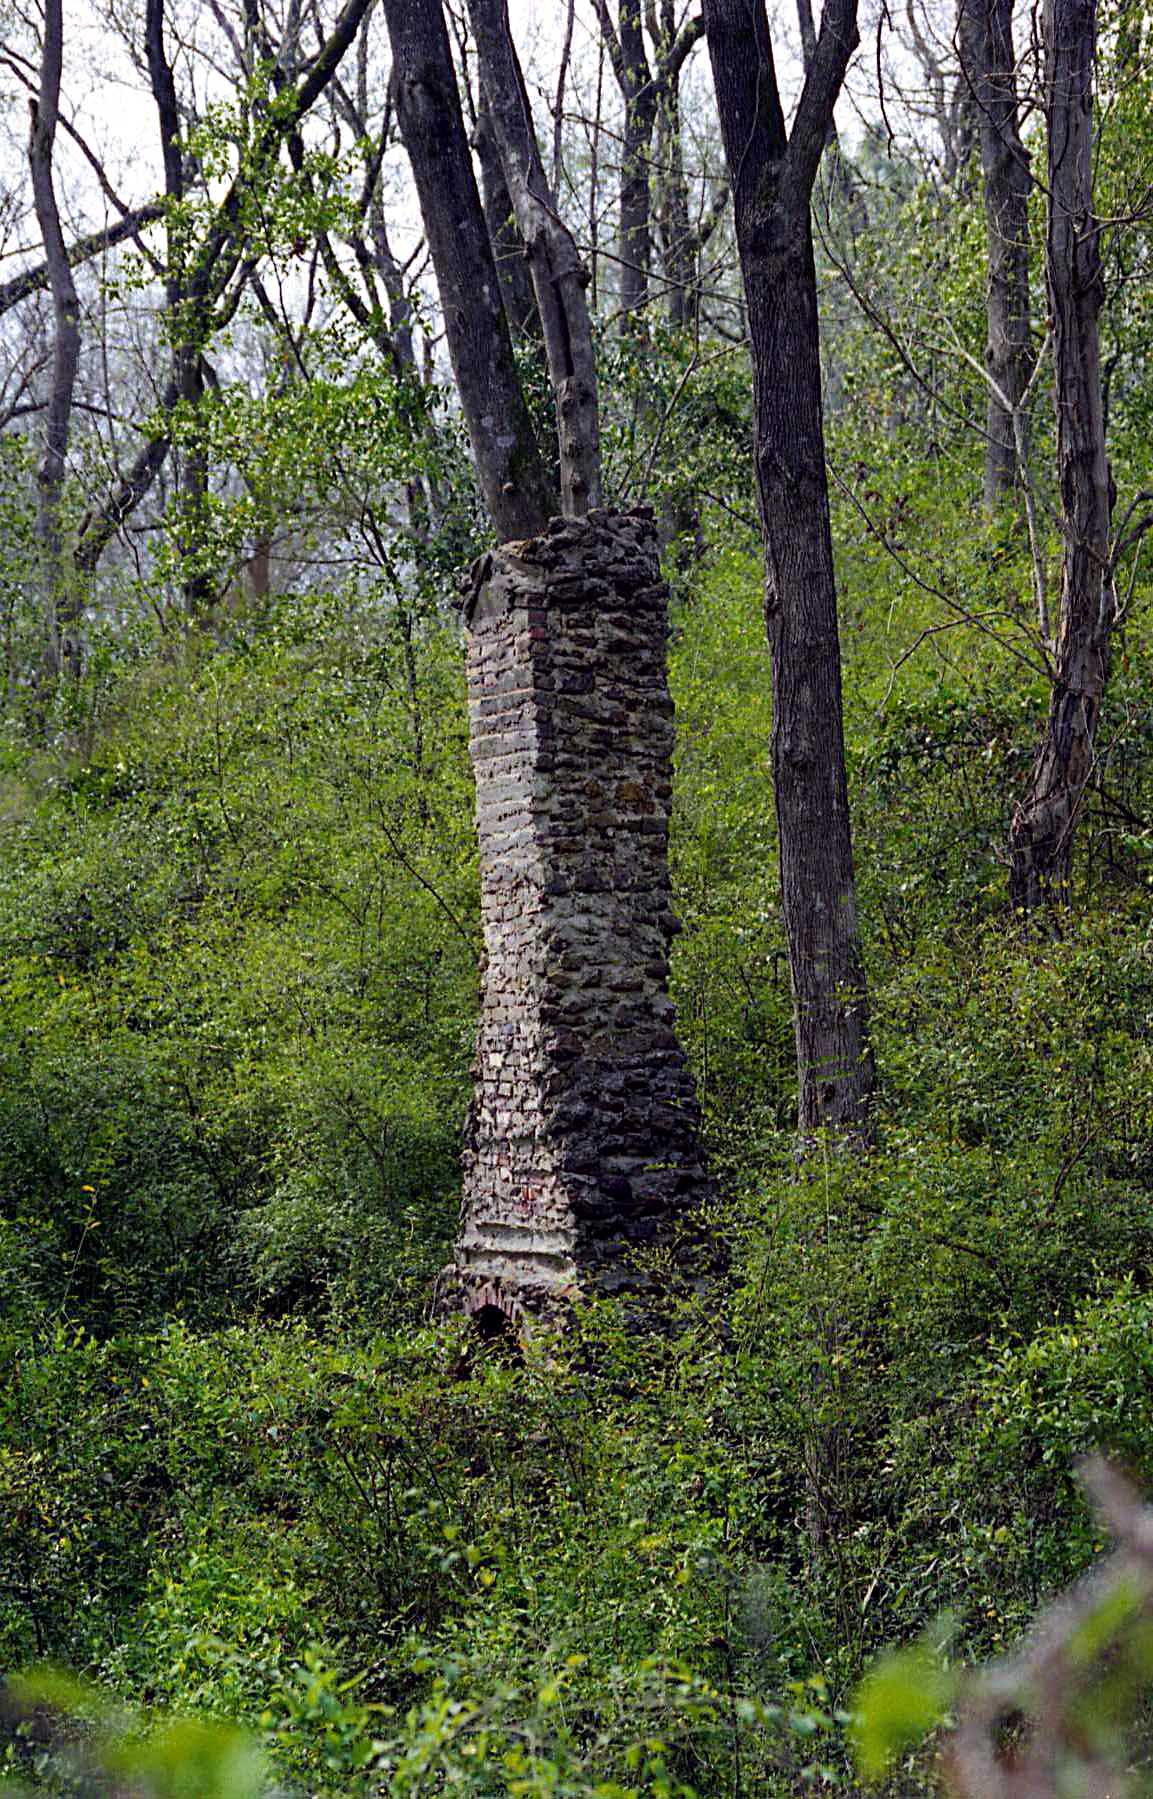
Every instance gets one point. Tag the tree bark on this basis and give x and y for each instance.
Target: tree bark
(559, 274)
(186, 325)
(1045, 821)
(989, 71)
(509, 466)
(507, 244)
(772, 173)
(635, 226)
(61, 605)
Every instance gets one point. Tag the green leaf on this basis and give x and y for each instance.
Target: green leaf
(901, 1699)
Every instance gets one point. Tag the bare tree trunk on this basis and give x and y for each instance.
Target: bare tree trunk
(1045, 821)
(509, 467)
(773, 175)
(559, 274)
(507, 243)
(185, 323)
(989, 71)
(675, 230)
(635, 226)
(61, 604)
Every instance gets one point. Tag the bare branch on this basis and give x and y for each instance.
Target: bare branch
(35, 280)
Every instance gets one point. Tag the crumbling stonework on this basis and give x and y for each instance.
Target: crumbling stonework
(583, 1151)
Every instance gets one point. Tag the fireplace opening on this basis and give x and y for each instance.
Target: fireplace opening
(497, 1332)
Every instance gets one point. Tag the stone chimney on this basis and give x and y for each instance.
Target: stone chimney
(582, 1161)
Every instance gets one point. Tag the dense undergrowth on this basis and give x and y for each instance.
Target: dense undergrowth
(242, 1475)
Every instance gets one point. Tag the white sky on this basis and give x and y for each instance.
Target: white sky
(107, 99)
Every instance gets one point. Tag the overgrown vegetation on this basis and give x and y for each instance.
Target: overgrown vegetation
(239, 1469)
(244, 1478)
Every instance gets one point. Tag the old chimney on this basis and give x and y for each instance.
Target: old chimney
(583, 1167)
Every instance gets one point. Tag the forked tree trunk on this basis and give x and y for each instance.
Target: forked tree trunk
(558, 271)
(509, 466)
(989, 70)
(773, 175)
(1045, 822)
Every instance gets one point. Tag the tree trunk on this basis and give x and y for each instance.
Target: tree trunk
(989, 71)
(559, 274)
(635, 246)
(772, 179)
(1044, 824)
(508, 461)
(186, 326)
(507, 243)
(61, 606)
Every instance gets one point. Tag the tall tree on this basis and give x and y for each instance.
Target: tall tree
(58, 589)
(773, 171)
(509, 465)
(185, 327)
(649, 83)
(985, 31)
(560, 278)
(1045, 822)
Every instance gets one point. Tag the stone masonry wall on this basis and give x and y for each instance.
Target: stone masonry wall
(583, 1143)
